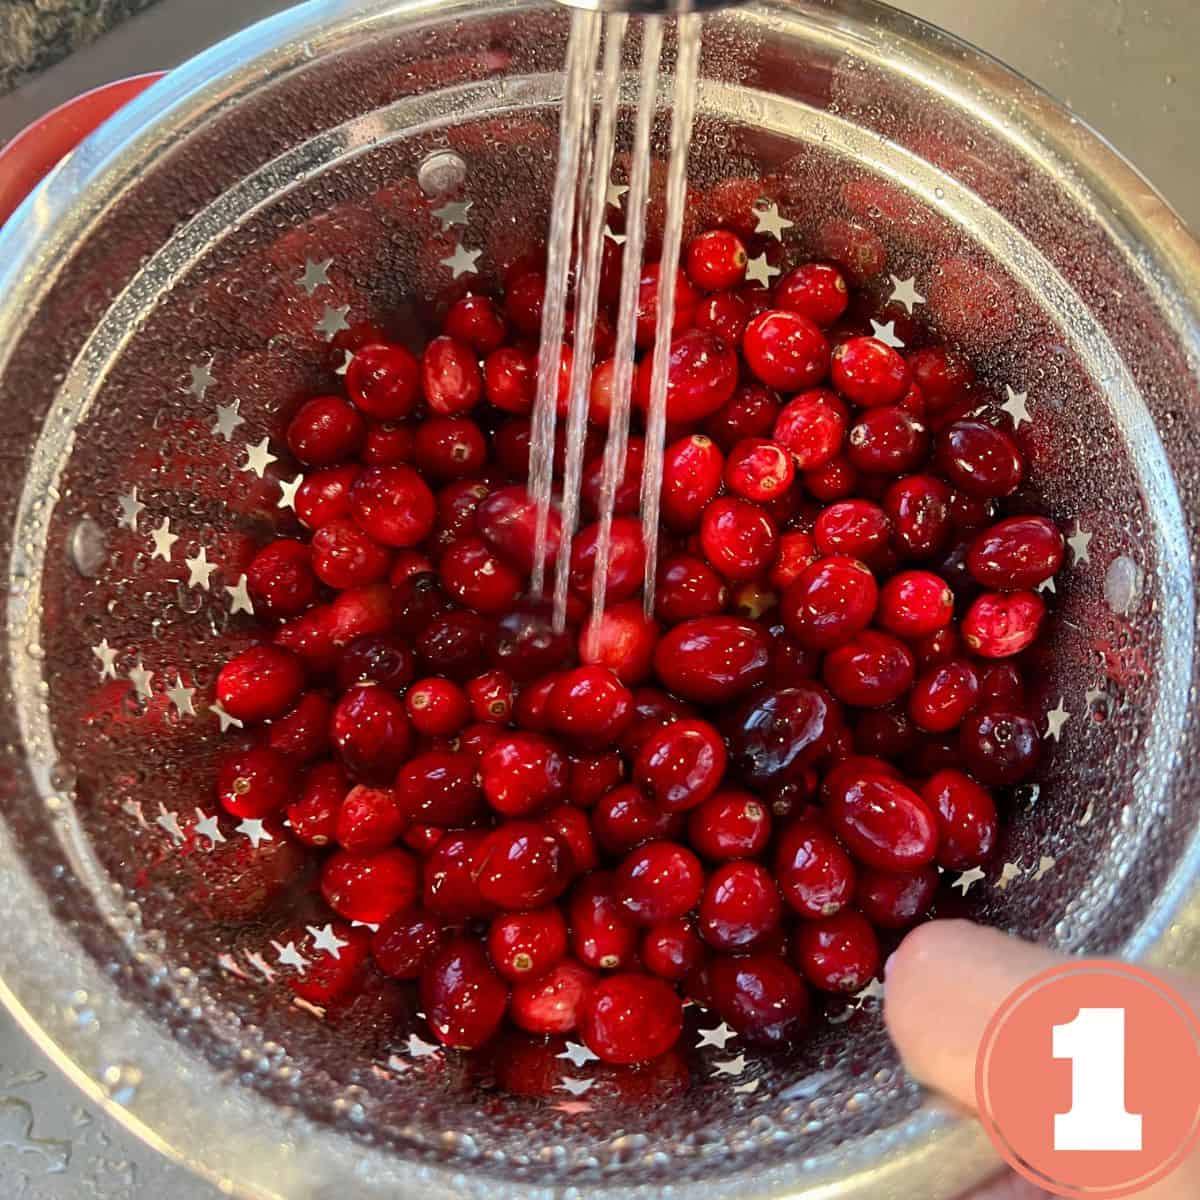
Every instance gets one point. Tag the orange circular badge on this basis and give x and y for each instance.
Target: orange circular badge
(1088, 1080)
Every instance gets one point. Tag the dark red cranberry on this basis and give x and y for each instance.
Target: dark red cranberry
(477, 321)
(376, 658)
(883, 823)
(712, 660)
(532, 709)
(1001, 746)
(260, 683)
(450, 376)
(437, 707)
(785, 350)
(859, 251)
(854, 528)
(593, 775)
(1001, 624)
(813, 871)
(870, 670)
(591, 706)
(625, 818)
(936, 648)
(884, 733)
(524, 301)
(777, 735)
(463, 998)
(914, 604)
(833, 599)
(726, 314)
(310, 637)
(702, 375)
(371, 733)
(573, 828)
(416, 601)
(693, 468)
(280, 578)
(522, 865)
(658, 881)
(325, 431)
(452, 645)
(622, 641)
(327, 978)
(761, 997)
(686, 300)
(627, 496)
(1001, 686)
(681, 765)
(345, 556)
(603, 934)
(672, 949)
(313, 817)
(626, 562)
(716, 260)
(980, 459)
(750, 414)
(383, 380)
(525, 945)
(360, 612)
(813, 428)
(966, 816)
(1016, 554)
(406, 942)
(386, 445)
(814, 290)
(971, 513)
(838, 953)
(525, 643)
(510, 379)
(254, 783)
(942, 375)
(302, 732)
(507, 521)
(759, 469)
(324, 496)
(869, 372)
(630, 1018)
(891, 900)
(370, 887)
(652, 710)
(730, 824)
(370, 819)
(446, 448)
(887, 441)
(451, 887)
(740, 907)
(835, 480)
(551, 1005)
(943, 695)
(440, 788)
(522, 773)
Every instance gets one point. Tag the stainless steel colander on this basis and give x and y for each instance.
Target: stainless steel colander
(188, 276)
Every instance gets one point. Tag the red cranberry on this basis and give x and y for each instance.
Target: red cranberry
(630, 1018)
(1001, 624)
(524, 301)
(260, 683)
(686, 300)
(440, 788)
(464, 999)
(376, 658)
(943, 695)
(740, 906)
(573, 828)
(652, 710)
(437, 707)
(510, 379)
(344, 556)
(302, 732)
(870, 670)
(1001, 686)
(936, 648)
(944, 376)
(522, 773)
(966, 816)
(492, 695)
(446, 448)
(980, 459)
(310, 637)
(834, 481)
(895, 900)
(658, 881)
(387, 445)
(672, 949)
(406, 942)
(859, 251)
(1016, 554)
(777, 735)
(591, 706)
(626, 564)
(477, 578)
(452, 645)
(451, 887)
(370, 731)
(370, 887)
(681, 765)
(854, 528)
(785, 350)
(280, 578)
(761, 997)
(730, 824)
(838, 953)
(254, 783)
(716, 260)
(883, 823)
(593, 775)
(738, 538)
(1001, 746)
(382, 380)
(833, 599)
(603, 934)
(450, 376)
(702, 375)
(914, 604)
(625, 818)
(711, 660)
(477, 321)
(526, 945)
(693, 468)
(813, 871)
(725, 313)
(522, 865)
(551, 1004)
(313, 818)
(759, 469)
(532, 709)
(361, 612)
(622, 640)
(750, 414)
(370, 819)
(324, 496)
(869, 372)
(525, 643)
(393, 505)
(813, 428)
(328, 978)
(796, 552)
(814, 290)
(887, 441)
(416, 601)
(325, 431)
(507, 521)
(627, 497)
(970, 513)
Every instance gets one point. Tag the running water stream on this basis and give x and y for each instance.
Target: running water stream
(587, 142)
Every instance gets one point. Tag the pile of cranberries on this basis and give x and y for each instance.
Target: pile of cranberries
(733, 801)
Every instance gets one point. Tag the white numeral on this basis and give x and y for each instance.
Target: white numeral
(1095, 1044)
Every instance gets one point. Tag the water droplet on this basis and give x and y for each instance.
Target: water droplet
(63, 776)
(441, 173)
(87, 547)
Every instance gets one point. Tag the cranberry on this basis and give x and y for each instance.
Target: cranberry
(686, 300)
(325, 431)
(944, 376)
(280, 578)
(370, 731)
(1016, 554)
(591, 706)
(750, 414)
(725, 313)
(393, 505)
(761, 997)
(870, 670)
(344, 556)
(980, 459)
(813, 871)
(833, 599)
(522, 773)
(625, 818)
(854, 528)
(370, 887)
(551, 1004)
(740, 906)
(360, 612)
(730, 824)
(525, 643)
(796, 552)
(702, 376)
(833, 481)
(370, 819)
(814, 290)
(523, 304)
(440, 788)
(302, 732)
(626, 563)
(711, 660)
(492, 695)
(416, 601)
(759, 469)
(883, 823)
(738, 538)
(573, 828)
(884, 733)
(1001, 746)
(652, 710)
(382, 380)
(887, 441)
(532, 710)
(477, 321)
(1001, 624)
(593, 775)
(510, 379)
(464, 999)
(693, 468)
(838, 953)
(621, 640)
(406, 942)
(971, 513)
(447, 448)
(869, 372)
(658, 881)
(310, 637)
(895, 900)
(450, 376)
(328, 978)
(914, 604)
(859, 251)
(943, 695)
(630, 1018)
(387, 445)
(254, 783)
(603, 934)
(376, 658)
(522, 865)
(627, 496)
(813, 428)
(324, 496)
(672, 949)
(681, 765)
(936, 648)
(312, 819)
(437, 707)
(1001, 686)
(777, 735)
(966, 816)
(451, 887)
(785, 350)
(716, 260)
(452, 645)
(260, 683)
(477, 578)
(507, 521)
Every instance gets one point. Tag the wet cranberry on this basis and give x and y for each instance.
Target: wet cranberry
(740, 906)
(915, 603)
(370, 819)
(777, 735)
(966, 816)
(310, 637)
(1001, 686)
(883, 823)
(622, 640)
(750, 414)
(383, 380)
(716, 260)
(452, 645)
(406, 942)
(522, 865)
(895, 900)
(738, 538)
(477, 321)
(523, 303)
(574, 829)
(688, 588)
(936, 648)
(672, 949)
(532, 709)
(980, 459)
(450, 376)
(652, 710)
(492, 695)
(1016, 554)
(761, 997)
(463, 998)
(834, 481)
(730, 824)
(387, 445)
(627, 495)
(1001, 624)
(625, 818)
(795, 553)
(759, 469)
(593, 775)
(603, 934)
(451, 887)
(813, 871)
(725, 313)
(260, 683)
(943, 695)
(437, 707)
(393, 505)
(887, 441)
(813, 428)
(833, 599)
(711, 660)
(693, 469)
(254, 783)
(325, 431)
(630, 1018)
(345, 556)
(510, 379)
(1001, 746)
(626, 562)
(591, 706)
(370, 887)
(686, 299)
(551, 1004)
(525, 643)
(327, 978)
(376, 658)
(702, 375)
(814, 290)
(449, 448)
(280, 578)
(416, 601)
(658, 881)
(507, 521)
(785, 350)
(324, 496)
(854, 528)
(869, 372)
(522, 773)
(360, 612)
(474, 575)
(312, 818)
(870, 670)
(302, 732)
(944, 376)
(681, 765)
(370, 731)
(440, 788)
(838, 953)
